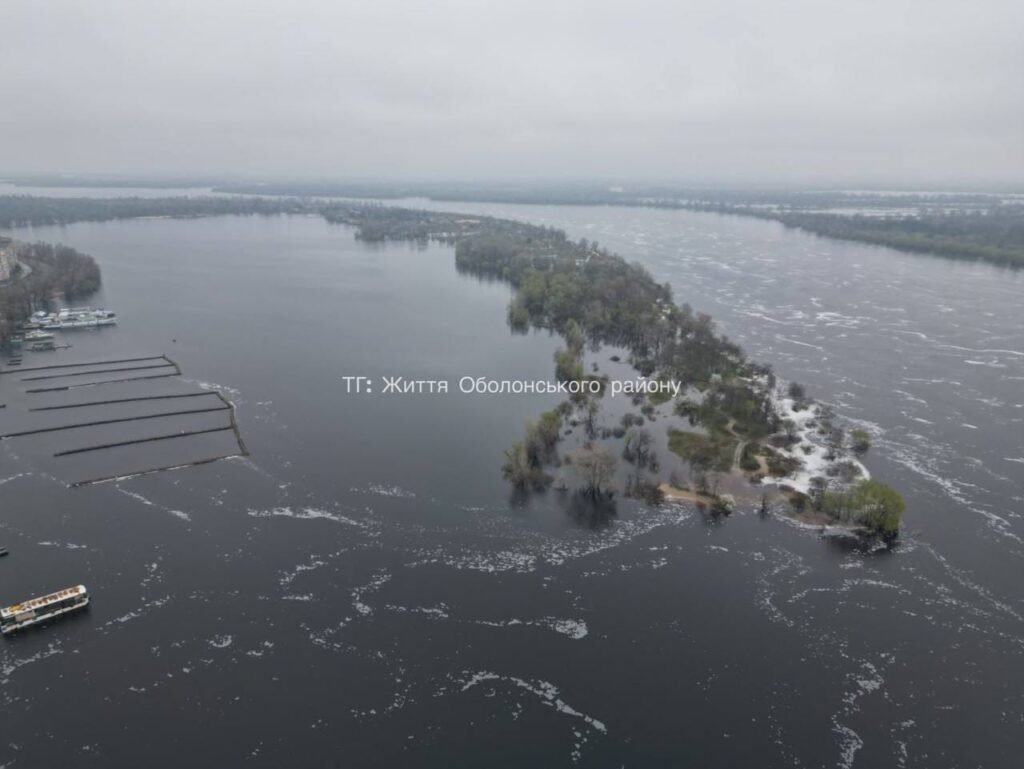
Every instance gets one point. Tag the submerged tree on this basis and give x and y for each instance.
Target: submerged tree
(542, 438)
(596, 468)
(521, 471)
(516, 469)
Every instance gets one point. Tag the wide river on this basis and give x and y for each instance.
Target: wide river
(361, 592)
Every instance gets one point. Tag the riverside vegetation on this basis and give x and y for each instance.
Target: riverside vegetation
(590, 296)
(40, 272)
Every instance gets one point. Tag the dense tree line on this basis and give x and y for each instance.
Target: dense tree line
(995, 235)
(21, 210)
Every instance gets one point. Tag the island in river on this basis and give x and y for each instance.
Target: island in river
(737, 433)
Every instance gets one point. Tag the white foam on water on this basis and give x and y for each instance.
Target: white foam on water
(538, 549)
(10, 667)
(953, 489)
(849, 743)
(65, 545)
(136, 613)
(382, 490)
(987, 363)
(305, 514)
(576, 629)
(548, 695)
(235, 393)
(379, 578)
(313, 563)
(439, 612)
(260, 650)
(149, 503)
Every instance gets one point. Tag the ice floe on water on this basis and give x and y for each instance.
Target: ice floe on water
(221, 641)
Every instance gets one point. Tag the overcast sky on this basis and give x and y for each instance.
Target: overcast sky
(892, 91)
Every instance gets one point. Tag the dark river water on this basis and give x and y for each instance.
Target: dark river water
(361, 592)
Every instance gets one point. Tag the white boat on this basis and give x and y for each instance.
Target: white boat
(38, 610)
(38, 336)
(79, 317)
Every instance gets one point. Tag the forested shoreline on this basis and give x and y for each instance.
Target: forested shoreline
(48, 270)
(969, 226)
(27, 210)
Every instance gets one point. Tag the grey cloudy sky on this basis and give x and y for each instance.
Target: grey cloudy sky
(694, 90)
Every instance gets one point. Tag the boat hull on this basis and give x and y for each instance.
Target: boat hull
(42, 619)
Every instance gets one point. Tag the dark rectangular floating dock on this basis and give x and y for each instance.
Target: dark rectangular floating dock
(67, 375)
(112, 401)
(85, 363)
(116, 420)
(108, 419)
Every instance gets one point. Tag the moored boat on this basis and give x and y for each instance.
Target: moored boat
(78, 317)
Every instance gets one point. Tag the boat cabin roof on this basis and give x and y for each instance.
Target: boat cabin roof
(35, 603)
